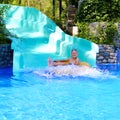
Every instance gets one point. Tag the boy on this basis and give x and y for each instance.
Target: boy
(73, 60)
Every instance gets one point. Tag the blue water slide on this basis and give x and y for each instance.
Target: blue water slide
(38, 38)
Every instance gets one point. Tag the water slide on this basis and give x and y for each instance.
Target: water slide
(38, 38)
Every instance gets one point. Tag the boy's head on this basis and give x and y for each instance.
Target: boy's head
(74, 53)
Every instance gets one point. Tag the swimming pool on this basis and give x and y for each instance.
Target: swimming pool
(27, 96)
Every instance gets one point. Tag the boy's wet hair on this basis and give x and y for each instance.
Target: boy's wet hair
(73, 50)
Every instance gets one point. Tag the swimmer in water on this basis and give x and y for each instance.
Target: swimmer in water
(73, 60)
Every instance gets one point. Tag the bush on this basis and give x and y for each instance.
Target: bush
(102, 34)
(99, 10)
(4, 33)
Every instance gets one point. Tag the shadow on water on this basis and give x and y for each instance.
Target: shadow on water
(5, 77)
(109, 67)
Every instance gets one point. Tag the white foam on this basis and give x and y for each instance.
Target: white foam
(74, 71)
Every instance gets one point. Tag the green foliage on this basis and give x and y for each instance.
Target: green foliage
(83, 29)
(4, 33)
(99, 10)
(103, 35)
(107, 11)
(89, 11)
(111, 32)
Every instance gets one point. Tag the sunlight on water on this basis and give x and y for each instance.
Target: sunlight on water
(62, 92)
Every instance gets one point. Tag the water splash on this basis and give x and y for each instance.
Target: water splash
(74, 71)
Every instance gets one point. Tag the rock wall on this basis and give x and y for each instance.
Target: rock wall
(107, 54)
(6, 55)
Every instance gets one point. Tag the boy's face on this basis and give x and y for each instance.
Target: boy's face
(74, 54)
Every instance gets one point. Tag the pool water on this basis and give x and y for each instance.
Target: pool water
(28, 96)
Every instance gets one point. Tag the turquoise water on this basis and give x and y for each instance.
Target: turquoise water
(29, 96)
